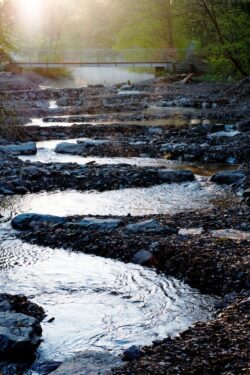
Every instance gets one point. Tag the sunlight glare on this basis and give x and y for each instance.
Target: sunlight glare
(29, 10)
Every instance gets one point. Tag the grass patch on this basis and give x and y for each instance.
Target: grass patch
(213, 77)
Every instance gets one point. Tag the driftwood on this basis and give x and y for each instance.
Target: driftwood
(188, 78)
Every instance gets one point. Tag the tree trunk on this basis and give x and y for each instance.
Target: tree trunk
(170, 40)
(229, 55)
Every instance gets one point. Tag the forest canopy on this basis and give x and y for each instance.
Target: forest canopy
(218, 30)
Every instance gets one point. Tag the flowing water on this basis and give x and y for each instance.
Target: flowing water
(161, 199)
(46, 154)
(97, 303)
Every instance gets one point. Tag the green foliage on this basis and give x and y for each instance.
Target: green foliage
(217, 31)
(6, 45)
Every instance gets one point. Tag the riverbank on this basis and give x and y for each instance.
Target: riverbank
(200, 136)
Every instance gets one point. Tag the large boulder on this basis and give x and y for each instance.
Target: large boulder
(26, 221)
(87, 363)
(93, 223)
(228, 178)
(175, 176)
(70, 148)
(20, 335)
(28, 148)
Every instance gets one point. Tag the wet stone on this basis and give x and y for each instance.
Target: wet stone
(92, 223)
(19, 335)
(133, 353)
(143, 257)
(69, 148)
(89, 363)
(28, 148)
(228, 178)
(25, 221)
(152, 226)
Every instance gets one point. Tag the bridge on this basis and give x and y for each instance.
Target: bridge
(138, 57)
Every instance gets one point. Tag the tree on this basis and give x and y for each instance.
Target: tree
(222, 27)
(6, 44)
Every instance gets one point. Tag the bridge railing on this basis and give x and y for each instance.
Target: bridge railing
(94, 56)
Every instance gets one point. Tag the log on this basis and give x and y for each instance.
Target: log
(187, 79)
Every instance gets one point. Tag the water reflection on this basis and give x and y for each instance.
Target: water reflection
(137, 202)
(98, 303)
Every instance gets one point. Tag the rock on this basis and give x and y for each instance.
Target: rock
(25, 221)
(45, 368)
(28, 148)
(244, 125)
(69, 148)
(173, 148)
(231, 160)
(232, 234)
(155, 131)
(20, 335)
(93, 223)
(143, 257)
(133, 353)
(4, 304)
(190, 231)
(93, 142)
(224, 134)
(228, 178)
(152, 226)
(89, 363)
(246, 193)
(175, 176)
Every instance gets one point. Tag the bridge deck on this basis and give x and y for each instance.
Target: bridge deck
(38, 64)
(135, 57)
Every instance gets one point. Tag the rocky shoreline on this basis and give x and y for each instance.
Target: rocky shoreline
(207, 248)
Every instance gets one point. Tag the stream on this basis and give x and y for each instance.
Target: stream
(97, 303)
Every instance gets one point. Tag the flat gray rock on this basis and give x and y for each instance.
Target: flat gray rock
(25, 221)
(152, 226)
(93, 142)
(232, 234)
(99, 224)
(69, 148)
(20, 335)
(89, 363)
(28, 148)
(190, 231)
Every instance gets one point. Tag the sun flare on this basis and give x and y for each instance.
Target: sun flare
(29, 10)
